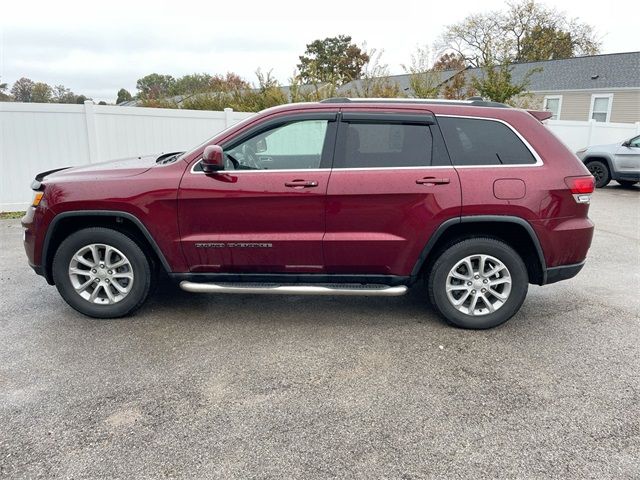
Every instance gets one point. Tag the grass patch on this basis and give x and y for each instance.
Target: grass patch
(5, 215)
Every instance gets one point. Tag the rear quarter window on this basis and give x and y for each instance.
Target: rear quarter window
(475, 141)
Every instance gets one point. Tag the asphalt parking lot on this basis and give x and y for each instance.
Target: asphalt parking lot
(204, 386)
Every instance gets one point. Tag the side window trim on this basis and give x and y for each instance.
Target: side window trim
(388, 118)
(532, 150)
(277, 122)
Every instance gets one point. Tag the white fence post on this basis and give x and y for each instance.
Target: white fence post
(592, 125)
(228, 121)
(92, 138)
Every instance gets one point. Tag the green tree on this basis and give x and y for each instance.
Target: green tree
(231, 91)
(458, 87)
(545, 43)
(62, 94)
(41, 93)
(226, 83)
(155, 86)
(375, 81)
(4, 97)
(424, 81)
(123, 96)
(190, 84)
(22, 90)
(496, 82)
(314, 92)
(81, 99)
(333, 60)
(537, 32)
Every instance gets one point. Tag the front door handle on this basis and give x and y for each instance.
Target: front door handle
(432, 181)
(301, 183)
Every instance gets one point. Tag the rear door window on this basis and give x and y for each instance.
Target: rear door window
(387, 144)
(475, 141)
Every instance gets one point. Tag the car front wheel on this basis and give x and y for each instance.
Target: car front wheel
(102, 273)
(478, 283)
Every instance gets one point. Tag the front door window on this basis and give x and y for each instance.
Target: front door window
(293, 146)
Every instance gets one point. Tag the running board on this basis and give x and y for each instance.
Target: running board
(276, 289)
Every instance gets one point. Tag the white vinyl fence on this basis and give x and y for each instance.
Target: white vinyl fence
(37, 137)
(577, 135)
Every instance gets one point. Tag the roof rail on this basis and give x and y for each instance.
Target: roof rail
(473, 101)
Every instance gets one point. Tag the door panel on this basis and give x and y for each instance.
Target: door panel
(378, 221)
(391, 187)
(627, 159)
(252, 222)
(260, 215)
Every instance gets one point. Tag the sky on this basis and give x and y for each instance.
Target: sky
(96, 48)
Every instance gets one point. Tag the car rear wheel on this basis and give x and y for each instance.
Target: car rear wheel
(600, 172)
(478, 283)
(626, 183)
(102, 273)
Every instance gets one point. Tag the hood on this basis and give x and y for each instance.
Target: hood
(610, 147)
(125, 167)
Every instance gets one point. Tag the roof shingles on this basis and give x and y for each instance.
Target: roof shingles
(616, 70)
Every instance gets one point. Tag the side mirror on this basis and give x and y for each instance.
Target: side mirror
(626, 143)
(212, 159)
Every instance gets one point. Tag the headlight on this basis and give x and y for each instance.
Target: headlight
(37, 198)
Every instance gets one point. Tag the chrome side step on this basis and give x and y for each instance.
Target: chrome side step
(277, 289)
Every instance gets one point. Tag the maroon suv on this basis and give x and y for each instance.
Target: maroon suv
(340, 197)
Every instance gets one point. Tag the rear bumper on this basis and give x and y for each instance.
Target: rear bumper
(563, 272)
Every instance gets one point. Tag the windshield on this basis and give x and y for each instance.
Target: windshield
(219, 134)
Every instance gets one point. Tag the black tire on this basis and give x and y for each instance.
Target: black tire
(626, 183)
(140, 264)
(438, 274)
(600, 172)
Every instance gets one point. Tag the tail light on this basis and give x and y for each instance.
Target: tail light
(581, 188)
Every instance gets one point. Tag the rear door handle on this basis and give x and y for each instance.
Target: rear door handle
(301, 183)
(432, 181)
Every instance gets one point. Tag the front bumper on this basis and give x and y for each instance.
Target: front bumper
(33, 226)
(627, 176)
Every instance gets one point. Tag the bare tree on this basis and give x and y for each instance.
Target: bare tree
(526, 31)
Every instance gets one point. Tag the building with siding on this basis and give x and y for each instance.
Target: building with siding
(603, 88)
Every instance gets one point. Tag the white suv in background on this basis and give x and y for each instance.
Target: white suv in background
(616, 161)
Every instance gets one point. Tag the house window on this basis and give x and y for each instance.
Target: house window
(601, 107)
(553, 104)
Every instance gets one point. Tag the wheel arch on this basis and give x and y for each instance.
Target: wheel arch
(514, 231)
(602, 158)
(67, 223)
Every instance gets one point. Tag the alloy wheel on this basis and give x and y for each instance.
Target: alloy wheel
(478, 285)
(101, 274)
